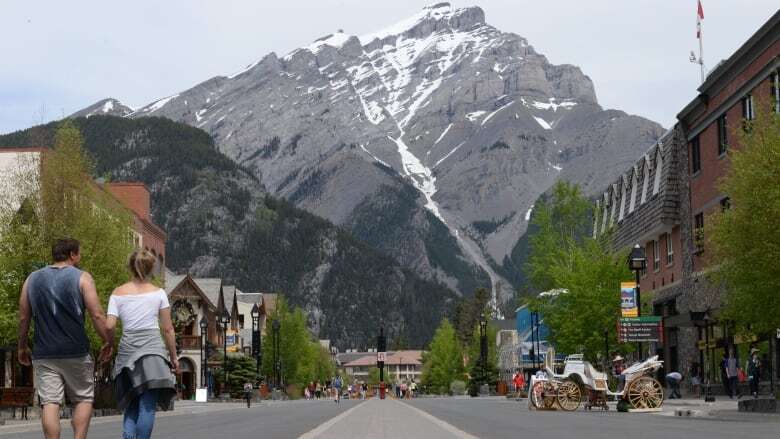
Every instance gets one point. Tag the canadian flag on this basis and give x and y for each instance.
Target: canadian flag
(699, 18)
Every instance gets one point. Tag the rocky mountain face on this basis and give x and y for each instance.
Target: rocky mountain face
(221, 222)
(430, 139)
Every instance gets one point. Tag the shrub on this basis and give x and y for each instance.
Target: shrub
(457, 387)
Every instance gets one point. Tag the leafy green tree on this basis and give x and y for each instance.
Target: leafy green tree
(444, 362)
(744, 240)
(53, 198)
(564, 256)
(303, 359)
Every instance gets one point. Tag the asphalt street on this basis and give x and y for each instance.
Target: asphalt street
(494, 418)
(426, 418)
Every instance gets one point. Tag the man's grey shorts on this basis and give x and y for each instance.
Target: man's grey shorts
(57, 377)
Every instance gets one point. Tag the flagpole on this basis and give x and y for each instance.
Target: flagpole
(701, 51)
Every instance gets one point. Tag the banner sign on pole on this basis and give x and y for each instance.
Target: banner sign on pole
(641, 329)
(628, 307)
(380, 357)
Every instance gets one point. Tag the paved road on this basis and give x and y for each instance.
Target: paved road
(281, 420)
(494, 418)
(420, 418)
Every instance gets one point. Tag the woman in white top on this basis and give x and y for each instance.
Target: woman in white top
(142, 371)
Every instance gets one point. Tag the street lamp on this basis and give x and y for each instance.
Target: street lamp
(256, 338)
(225, 321)
(637, 262)
(204, 329)
(277, 356)
(483, 348)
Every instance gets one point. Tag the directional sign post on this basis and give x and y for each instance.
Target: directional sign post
(641, 329)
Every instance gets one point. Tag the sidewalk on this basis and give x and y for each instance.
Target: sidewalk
(722, 408)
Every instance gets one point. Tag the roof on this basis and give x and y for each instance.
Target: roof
(172, 281)
(4, 149)
(210, 287)
(393, 358)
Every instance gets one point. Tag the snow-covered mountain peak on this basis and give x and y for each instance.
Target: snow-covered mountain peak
(108, 106)
(431, 19)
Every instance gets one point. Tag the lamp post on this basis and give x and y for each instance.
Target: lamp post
(204, 329)
(256, 338)
(277, 356)
(225, 321)
(381, 346)
(637, 261)
(483, 348)
(708, 396)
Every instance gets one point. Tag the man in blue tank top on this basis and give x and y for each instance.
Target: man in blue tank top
(55, 298)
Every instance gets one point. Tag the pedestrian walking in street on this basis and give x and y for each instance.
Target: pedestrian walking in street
(753, 368)
(337, 383)
(519, 381)
(318, 390)
(55, 298)
(142, 371)
(673, 380)
(363, 390)
(412, 389)
(730, 370)
(248, 394)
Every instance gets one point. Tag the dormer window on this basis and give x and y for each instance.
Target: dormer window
(645, 181)
(659, 165)
(632, 204)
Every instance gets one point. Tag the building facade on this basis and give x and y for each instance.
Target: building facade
(664, 201)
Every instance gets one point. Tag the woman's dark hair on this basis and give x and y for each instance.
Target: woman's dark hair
(63, 248)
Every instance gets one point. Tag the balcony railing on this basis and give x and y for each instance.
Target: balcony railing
(189, 342)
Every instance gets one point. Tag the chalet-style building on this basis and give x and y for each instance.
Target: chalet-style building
(192, 300)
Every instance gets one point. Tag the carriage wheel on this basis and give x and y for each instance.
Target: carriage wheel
(542, 395)
(569, 395)
(645, 393)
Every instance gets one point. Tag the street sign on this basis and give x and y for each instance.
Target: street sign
(628, 307)
(380, 357)
(641, 329)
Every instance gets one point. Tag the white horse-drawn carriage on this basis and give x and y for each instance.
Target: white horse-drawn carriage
(637, 388)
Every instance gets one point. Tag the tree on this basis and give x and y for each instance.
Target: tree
(479, 375)
(744, 240)
(468, 312)
(55, 198)
(444, 362)
(303, 359)
(240, 370)
(564, 256)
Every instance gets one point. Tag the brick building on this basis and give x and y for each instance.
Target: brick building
(146, 234)
(664, 200)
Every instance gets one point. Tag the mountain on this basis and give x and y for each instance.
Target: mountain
(430, 139)
(221, 222)
(105, 107)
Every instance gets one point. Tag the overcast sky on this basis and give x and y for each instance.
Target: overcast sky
(57, 57)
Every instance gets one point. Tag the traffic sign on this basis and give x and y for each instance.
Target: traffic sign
(380, 357)
(641, 329)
